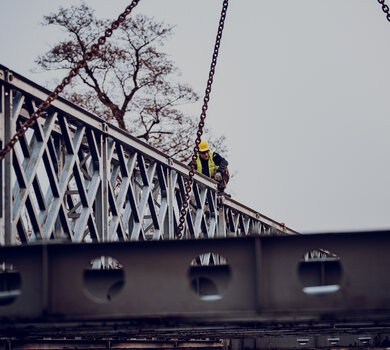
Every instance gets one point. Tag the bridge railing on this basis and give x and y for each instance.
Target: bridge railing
(75, 177)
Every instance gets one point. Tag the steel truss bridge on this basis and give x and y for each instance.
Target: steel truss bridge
(75, 177)
(88, 254)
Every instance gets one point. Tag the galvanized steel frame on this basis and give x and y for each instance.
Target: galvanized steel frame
(75, 177)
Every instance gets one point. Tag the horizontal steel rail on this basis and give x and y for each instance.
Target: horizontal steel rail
(75, 177)
(112, 344)
(314, 342)
(264, 287)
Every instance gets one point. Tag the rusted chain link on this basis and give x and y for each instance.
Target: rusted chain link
(190, 180)
(73, 72)
(385, 9)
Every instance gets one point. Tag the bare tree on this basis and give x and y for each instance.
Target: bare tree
(131, 82)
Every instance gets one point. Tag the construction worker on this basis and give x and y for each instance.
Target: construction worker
(213, 165)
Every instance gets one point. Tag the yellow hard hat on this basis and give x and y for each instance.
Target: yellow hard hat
(203, 146)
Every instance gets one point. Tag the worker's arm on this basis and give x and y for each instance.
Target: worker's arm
(220, 161)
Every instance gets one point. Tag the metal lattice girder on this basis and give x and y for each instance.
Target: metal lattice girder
(74, 177)
(259, 284)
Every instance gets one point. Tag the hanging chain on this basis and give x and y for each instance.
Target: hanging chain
(73, 72)
(199, 133)
(385, 9)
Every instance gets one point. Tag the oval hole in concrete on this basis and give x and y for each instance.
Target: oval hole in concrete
(104, 278)
(209, 276)
(10, 283)
(320, 272)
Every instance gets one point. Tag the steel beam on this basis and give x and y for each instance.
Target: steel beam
(264, 286)
(112, 344)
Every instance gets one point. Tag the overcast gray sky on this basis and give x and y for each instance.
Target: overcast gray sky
(301, 93)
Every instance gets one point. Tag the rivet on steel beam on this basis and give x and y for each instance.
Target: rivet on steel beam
(104, 127)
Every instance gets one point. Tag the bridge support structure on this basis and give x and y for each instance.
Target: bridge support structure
(261, 287)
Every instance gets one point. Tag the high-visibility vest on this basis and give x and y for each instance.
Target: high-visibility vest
(212, 166)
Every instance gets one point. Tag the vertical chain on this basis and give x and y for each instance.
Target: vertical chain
(73, 72)
(385, 9)
(199, 133)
